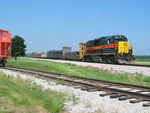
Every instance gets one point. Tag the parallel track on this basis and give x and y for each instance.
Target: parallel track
(139, 65)
(115, 89)
(127, 64)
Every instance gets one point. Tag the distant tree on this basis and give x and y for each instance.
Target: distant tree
(18, 46)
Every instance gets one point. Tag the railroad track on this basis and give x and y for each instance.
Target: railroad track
(129, 64)
(121, 91)
(138, 65)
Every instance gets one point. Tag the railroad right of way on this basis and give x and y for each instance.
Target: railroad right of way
(121, 91)
(142, 71)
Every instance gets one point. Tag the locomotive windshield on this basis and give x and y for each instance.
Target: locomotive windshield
(119, 39)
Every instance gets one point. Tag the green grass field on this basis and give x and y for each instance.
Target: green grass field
(142, 60)
(71, 69)
(22, 96)
(142, 56)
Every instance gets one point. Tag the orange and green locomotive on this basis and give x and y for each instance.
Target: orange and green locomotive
(109, 49)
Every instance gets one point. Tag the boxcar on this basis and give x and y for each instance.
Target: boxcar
(44, 55)
(5, 46)
(37, 55)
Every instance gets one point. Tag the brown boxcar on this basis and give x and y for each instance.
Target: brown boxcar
(37, 55)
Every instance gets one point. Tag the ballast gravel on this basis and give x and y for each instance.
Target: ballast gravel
(142, 71)
(87, 102)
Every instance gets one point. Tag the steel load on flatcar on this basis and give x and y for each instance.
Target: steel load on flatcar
(53, 54)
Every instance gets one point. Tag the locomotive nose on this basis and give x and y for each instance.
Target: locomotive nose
(123, 47)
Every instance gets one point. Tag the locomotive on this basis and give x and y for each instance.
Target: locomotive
(5, 46)
(109, 49)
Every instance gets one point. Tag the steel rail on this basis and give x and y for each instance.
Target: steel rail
(145, 88)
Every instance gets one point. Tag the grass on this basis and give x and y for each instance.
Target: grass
(22, 96)
(142, 56)
(141, 63)
(142, 60)
(71, 69)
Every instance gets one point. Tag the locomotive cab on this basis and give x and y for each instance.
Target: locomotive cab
(124, 50)
(123, 44)
(119, 38)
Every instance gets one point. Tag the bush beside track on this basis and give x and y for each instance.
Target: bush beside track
(71, 69)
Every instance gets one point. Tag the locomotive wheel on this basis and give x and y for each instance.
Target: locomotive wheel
(89, 59)
(104, 60)
(83, 60)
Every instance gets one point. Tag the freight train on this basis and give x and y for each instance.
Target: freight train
(109, 49)
(5, 46)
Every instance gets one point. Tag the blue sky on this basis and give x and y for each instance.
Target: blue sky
(52, 24)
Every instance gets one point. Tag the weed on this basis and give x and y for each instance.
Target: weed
(23, 96)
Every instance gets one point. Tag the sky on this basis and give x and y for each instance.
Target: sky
(51, 24)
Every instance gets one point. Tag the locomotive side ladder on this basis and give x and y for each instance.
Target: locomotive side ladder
(82, 50)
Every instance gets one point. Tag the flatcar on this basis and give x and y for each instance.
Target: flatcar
(55, 54)
(109, 49)
(71, 55)
(5, 46)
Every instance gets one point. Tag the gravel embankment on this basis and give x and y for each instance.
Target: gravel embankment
(89, 102)
(143, 71)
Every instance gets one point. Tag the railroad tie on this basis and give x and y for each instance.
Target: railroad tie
(146, 104)
(116, 96)
(104, 94)
(135, 101)
(124, 98)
